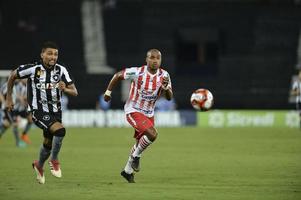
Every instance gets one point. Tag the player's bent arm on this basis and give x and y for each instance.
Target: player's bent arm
(116, 78)
(71, 90)
(10, 84)
(168, 94)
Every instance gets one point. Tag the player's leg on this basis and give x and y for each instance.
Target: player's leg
(145, 134)
(24, 135)
(44, 154)
(44, 121)
(58, 131)
(148, 137)
(128, 167)
(128, 172)
(4, 126)
(19, 142)
(7, 120)
(1, 122)
(45, 150)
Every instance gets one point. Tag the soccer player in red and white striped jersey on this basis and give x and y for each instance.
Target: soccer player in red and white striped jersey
(148, 82)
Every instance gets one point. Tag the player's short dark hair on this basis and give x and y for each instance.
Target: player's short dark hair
(49, 44)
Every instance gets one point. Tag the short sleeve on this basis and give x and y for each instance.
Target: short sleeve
(25, 71)
(66, 77)
(130, 73)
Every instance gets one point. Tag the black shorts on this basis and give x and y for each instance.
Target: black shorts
(9, 116)
(44, 119)
(23, 113)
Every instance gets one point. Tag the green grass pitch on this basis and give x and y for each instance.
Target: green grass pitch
(184, 163)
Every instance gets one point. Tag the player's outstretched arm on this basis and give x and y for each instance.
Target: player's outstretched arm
(115, 79)
(10, 84)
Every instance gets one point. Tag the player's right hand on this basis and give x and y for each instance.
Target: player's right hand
(107, 98)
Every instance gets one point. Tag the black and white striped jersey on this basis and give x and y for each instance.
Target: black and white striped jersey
(297, 86)
(42, 86)
(21, 95)
(18, 96)
(3, 91)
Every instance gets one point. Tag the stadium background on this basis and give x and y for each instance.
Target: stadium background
(245, 52)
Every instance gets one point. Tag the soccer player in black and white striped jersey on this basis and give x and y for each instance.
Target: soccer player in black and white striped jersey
(11, 118)
(45, 83)
(296, 91)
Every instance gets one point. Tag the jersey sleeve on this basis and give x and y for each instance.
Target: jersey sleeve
(130, 73)
(24, 71)
(66, 77)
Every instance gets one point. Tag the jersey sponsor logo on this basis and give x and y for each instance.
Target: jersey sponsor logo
(43, 86)
(147, 95)
(130, 73)
(48, 102)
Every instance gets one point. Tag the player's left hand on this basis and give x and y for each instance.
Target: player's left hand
(62, 85)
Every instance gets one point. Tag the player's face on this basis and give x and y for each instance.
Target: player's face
(153, 60)
(49, 56)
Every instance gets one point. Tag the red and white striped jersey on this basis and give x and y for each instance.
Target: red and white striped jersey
(145, 89)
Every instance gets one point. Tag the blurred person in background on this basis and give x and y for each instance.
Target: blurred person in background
(163, 104)
(147, 84)
(21, 111)
(296, 91)
(47, 80)
(101, 104)
(12, 118)
(64, 102)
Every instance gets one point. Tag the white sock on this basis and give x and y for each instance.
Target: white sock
(144, 142)
(128, 168)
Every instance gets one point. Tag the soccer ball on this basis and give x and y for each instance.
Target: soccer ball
(201, 99)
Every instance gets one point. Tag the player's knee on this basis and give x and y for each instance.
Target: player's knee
(47, 144)
(60, 132)
(155, 135)
(152, 134)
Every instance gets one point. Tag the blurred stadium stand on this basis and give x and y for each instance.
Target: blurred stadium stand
(243, 51)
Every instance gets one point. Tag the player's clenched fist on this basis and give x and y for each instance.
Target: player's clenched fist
(107, 95)
(62, 85)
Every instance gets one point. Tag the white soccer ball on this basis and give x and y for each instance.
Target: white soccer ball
(201, 99)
